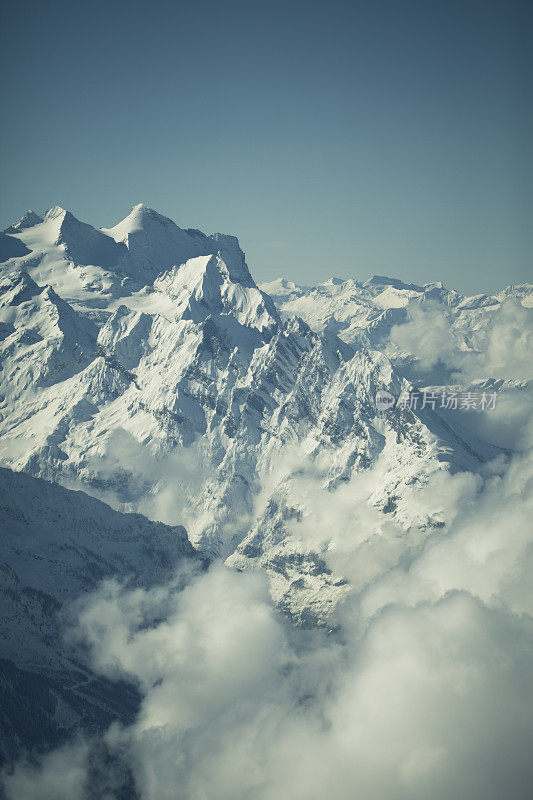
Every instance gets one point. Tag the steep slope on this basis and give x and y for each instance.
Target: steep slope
(155, 243)
(28, 220)
(55, 545)
(75, 259)
(94, 267)
(83, 244)
(11, 247)
(43, 340)
(200, 398)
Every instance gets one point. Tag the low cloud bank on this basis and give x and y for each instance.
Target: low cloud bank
(420, 688)
(500, 349)
(424, 689)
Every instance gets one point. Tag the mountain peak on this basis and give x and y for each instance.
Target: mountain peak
(139, 219)
(281, 287)
(142, 210)
(396, 283)
(334, 281)
(82, 243)
(156, 244)
(56, 212)
(206, 285)
(27, 220)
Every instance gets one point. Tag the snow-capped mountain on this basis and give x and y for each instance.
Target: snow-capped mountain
(94, 267)
(154, 242)
(142, 363)
(367, 312)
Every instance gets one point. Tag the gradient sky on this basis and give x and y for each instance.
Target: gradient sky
(347, 139)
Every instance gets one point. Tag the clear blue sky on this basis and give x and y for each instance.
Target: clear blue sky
(333, 138)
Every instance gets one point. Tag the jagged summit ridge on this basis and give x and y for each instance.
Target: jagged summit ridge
(28, 220)
(155, 243)
(136, 251)
(208, 285)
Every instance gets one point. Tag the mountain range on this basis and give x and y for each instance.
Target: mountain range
(159, 407)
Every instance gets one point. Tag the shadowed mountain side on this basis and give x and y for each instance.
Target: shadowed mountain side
(55, 545)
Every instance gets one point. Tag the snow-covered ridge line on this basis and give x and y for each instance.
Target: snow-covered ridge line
(136, 250)
(156, 374)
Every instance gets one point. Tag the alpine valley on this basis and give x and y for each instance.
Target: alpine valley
(162, 415)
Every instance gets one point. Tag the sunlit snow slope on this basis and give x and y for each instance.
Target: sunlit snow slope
(142, 363)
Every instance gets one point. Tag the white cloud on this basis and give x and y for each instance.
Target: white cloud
(427, 336)
(498, 344)
(424, 691)
(60, 775)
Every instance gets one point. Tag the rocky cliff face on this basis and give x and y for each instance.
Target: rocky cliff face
(143, 363)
